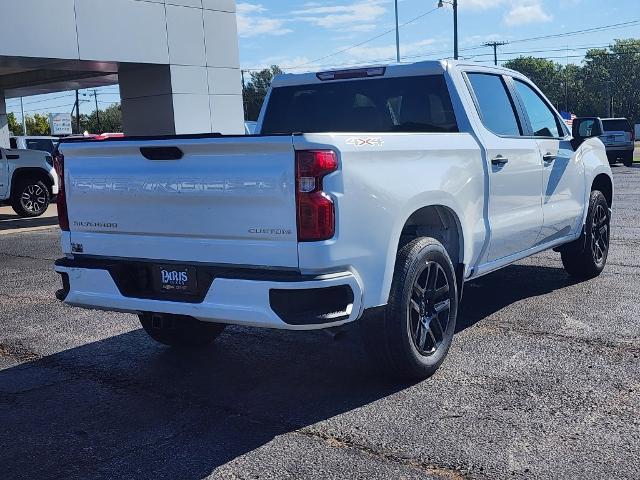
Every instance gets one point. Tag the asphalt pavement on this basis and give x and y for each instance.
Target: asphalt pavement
(542, 381)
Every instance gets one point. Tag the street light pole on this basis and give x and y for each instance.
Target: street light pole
(397, 34)
(454, 4)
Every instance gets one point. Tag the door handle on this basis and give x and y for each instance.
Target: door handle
(499, 160)
(549, 157)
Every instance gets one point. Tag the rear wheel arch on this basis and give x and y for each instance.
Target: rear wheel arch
(439, 222)
(443, 224)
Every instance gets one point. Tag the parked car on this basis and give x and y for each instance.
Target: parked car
(619, 140)
(28, 181)
(44, 144)
(371, 195)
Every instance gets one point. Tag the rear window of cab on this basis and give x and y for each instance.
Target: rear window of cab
(404, 104)
(619, 125)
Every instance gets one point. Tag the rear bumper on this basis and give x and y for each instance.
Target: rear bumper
(270, 301)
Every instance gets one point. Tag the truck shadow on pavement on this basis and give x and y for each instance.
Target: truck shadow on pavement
(124, 407)
(493, 292)
(13, 222)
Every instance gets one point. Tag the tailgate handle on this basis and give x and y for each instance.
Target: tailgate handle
(161, 153)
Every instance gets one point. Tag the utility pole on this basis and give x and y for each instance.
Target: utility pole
(454, 4)
(244, 95)
(24, 120)
(566, 83)
(77, 111)
(95, 94)
(495, 46)
(397, 34)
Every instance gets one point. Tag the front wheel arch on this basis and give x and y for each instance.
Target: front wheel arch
(602, 182)
(32, 173)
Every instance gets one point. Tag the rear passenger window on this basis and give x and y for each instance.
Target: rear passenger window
(544, 122)
(494, 104)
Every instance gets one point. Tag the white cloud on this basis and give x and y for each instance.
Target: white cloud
(288, 64)
(387, 52)
(521, 14)
(335, 16)
(482, 4)
(252, 21)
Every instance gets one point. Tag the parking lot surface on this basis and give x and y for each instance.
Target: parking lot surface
(542, 381)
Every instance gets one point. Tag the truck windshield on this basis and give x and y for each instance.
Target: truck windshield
(406, 104)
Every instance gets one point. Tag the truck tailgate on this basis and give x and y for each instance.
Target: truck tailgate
(228, 200)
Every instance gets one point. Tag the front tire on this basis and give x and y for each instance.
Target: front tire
(31, 198)
(587, 257)
(411, 337)
(179, 330)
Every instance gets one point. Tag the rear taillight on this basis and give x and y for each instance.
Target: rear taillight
(63, 216)
(315, 209)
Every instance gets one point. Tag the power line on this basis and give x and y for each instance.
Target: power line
(387, 32)
(43, 100)
(530, 39)
(47, 99)
(49, 108)
(601, 28)
(560, 57)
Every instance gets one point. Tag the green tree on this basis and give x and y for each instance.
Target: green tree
(15, 127)
(110, 121)
(608, 80)
(256, 90)
(38, 124)
(546, 74)
(611, 80)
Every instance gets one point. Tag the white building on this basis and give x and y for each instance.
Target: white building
(176, 61)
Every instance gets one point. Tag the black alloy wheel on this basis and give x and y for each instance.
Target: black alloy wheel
(600, 234)
(429, 310)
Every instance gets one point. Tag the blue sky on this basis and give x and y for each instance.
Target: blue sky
(301, 35)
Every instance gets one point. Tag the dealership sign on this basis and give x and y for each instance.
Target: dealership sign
(60, 124)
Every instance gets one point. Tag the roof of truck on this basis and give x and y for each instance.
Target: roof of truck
(428, 67)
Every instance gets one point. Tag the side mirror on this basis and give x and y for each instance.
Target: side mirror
(586, 127)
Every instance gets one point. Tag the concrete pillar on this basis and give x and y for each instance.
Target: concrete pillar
(200, 89)
(4, 122)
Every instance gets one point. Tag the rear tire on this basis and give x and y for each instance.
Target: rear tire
(411, 337)
(628, 159)
(587, 257)
(179, 330)
(31, 198)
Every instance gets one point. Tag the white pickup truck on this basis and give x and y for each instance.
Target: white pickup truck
(28, 181)
(371, 194)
